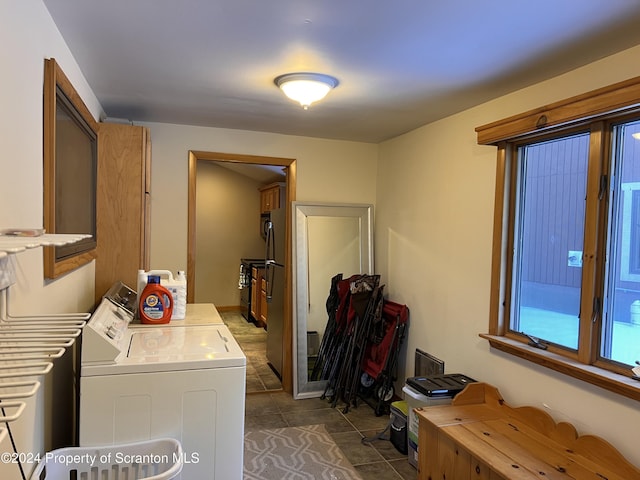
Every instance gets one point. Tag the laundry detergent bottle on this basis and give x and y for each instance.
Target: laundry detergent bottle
(156, 302)
(177, 286)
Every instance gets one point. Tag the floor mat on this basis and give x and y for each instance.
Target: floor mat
(295, 453)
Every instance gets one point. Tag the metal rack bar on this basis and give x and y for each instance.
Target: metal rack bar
(37, 343)
(33, 388)
(53, 352)
(72, 328)
(29, 356)
(10, 418)
(34, 325)
(43, 369)
(8, 334)
(5, 315)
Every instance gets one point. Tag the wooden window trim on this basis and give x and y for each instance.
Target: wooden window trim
(619, 97)
(612, 101)
(611, 381)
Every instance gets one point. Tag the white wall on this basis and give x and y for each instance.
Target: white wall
(327, 170)
(435, 192)
(28, 36)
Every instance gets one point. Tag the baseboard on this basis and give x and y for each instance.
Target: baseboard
(229, 308)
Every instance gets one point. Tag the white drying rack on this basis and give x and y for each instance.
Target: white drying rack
(30, 343)
(16, 244)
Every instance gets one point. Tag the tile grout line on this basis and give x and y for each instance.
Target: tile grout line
(282, 409)
(383, 459)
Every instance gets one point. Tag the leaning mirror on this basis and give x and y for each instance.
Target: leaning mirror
(328, 239)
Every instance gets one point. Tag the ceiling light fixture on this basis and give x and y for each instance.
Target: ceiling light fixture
(305, 88)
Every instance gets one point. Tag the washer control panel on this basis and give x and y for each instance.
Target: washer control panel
(106, 334)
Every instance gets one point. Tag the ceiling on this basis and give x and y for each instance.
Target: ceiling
(401, 64)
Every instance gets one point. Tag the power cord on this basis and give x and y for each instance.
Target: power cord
(13, 445)
(378, 436)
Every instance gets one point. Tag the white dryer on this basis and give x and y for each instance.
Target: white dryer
(181, 380)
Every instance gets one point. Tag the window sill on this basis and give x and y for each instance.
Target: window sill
(611, 381)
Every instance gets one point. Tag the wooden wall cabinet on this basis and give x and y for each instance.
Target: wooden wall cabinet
(480, 437)
(123, 205)
(272, 196)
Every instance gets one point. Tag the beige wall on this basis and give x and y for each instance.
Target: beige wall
(433, 248)
(227, 229)
(327, 170)
(28, 36)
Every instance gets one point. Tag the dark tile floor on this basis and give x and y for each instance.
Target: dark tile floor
(378, 460)
(252, 340)
(267, 406)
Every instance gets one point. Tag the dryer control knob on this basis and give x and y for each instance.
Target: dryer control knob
(111, 332)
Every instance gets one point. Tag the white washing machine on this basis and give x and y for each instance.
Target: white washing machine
(184, 380)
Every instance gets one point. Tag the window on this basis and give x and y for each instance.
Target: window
(549, 231)
(566, 259)
(620, 340)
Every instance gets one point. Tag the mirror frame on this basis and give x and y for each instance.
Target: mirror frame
(57, 88)
(301, 211)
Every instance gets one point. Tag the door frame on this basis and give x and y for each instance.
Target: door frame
(289, 166)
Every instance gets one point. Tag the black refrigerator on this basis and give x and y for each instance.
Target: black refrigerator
(275, 275)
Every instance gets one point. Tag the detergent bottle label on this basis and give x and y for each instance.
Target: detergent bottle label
(177, 287)
(156, 304)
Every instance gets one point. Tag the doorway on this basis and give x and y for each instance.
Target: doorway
(289, 168)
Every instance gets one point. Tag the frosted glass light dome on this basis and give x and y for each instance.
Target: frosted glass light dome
(306, 88)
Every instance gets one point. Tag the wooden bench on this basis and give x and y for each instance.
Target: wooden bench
(479, 436)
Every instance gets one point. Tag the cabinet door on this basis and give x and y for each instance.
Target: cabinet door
(263, 302)
(266, 200)
(271, 197)
(267, 196)
(122, 222)
(275, 198)
(255, 293)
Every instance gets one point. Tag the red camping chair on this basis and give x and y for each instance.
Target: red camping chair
(381, 358)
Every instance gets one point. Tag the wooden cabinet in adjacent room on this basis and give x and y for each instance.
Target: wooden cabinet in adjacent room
(264, 308)
(123, 206)
(258, 297)
(272, 196)
(255, 293)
